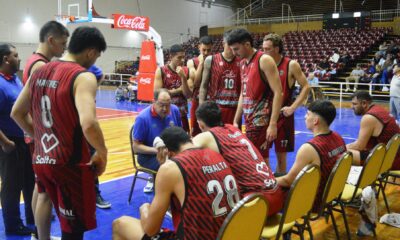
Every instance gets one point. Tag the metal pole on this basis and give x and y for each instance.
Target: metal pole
(283, 5)
(335, 6)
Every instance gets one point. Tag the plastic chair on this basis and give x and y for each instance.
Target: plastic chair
(298, 204)
(246, 220)
(137, 168)
(333, 189)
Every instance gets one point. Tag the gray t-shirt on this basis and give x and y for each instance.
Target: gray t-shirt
(395, 86)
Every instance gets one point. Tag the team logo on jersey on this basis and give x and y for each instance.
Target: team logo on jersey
(221, 63)
(281, 72)
(49, 142)
(168, 75)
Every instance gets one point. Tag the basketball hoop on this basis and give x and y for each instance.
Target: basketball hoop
(64, 19)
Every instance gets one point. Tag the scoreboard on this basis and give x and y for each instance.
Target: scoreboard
(359, 20)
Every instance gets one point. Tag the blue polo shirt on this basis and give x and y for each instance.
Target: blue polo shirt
(148, 125)
(10, 88)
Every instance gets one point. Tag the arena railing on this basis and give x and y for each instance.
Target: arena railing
(342, 86)
(376, 16)
(116, 79)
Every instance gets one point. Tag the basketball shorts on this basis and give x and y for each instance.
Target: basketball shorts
(284, 141)
(258, 137)
(72, 191)
(227, 114)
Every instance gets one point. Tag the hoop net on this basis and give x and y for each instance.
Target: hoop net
(64, 19)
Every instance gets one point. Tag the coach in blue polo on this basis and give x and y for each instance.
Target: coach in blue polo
(15, 160)
(149, 124)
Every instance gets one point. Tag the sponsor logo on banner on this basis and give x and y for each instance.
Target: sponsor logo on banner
(137, 23)
(145, 57)
(145, 80)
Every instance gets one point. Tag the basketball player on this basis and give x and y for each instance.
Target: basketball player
(376, 126)
(53, 39)
(61, 98)
(324, 149)
(196, 183)
(289, 73)
(247, 164)
(261, 95)
(196, 64)
(221, 81)
(173, 77)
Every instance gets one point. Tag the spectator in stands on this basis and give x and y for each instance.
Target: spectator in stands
(395, 93)
(312, 80)
(371, 73)
(376, 126)
(323, 67)
(381, 59)
(344, 59)
(355, 76)
(383, 47)
(387, 69)
(335, 56)
(393, 48)
(148, 125)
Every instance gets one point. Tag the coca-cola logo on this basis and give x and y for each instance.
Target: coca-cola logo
(145, 80)
(145, 57)
(131, 22)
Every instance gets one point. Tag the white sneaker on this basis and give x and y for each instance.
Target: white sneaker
(385, 89)
(149, 186)
(51, 238)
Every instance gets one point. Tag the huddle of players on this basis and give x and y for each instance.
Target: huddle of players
(223, 78)
(220, 89)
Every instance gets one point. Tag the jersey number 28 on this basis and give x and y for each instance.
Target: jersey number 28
(231, 191)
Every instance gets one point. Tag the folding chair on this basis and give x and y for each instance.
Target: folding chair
(246, 220)
(368, 175)
(333, 189)
(392, 149)
(297, 205)
(137, 168)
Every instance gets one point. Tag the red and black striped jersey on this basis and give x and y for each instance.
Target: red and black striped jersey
(283, 69)
(247, 164)
(330, 147)
(58, 135)
(172, 80)
(224, 85)
(196, 90)
(34, 58)
(211, 192)
(257, 94)
(390, 128)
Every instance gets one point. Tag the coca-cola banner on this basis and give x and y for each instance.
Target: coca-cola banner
(137, 23)
(148, 57)
(145, 86)
(147, 68)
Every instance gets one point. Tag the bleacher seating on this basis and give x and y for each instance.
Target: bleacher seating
(313, 46)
